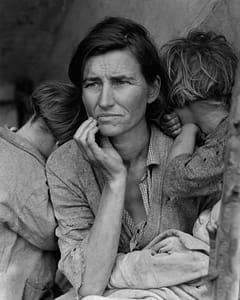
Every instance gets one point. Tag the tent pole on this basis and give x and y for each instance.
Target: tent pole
(227, 255)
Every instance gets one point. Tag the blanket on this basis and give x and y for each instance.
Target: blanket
(151, 275)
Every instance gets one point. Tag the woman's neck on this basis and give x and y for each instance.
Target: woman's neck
(133, 145)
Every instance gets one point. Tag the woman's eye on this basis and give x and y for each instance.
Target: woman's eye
(91, 85)
(120, 82)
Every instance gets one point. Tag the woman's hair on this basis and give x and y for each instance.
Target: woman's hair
(59, 105)
(116, 33)
(201, 66)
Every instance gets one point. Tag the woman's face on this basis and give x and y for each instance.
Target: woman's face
(115, 92)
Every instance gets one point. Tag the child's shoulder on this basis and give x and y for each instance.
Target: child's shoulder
(220, 133)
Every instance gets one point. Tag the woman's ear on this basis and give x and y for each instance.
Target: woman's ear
(154, 90)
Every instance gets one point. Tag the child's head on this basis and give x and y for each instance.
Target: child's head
(201, 66)
(59, 106)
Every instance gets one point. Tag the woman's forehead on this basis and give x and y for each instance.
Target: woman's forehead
(114, 63)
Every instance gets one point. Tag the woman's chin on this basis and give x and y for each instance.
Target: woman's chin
(109, 131)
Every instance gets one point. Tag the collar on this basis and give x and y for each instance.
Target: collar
(220, 130)
(20, 142)
(156, 146)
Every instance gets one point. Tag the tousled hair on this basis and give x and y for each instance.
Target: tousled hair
(201, 66)
(60, 107)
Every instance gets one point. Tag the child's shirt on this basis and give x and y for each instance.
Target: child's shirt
(200, 173)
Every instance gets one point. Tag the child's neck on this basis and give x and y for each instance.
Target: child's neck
(40, 139)
(208, 117)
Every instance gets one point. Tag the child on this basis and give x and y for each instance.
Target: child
(27, 222)
(201, 70)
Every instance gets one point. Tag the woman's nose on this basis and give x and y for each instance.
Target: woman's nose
(106, 97)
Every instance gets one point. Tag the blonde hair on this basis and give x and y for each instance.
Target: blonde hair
(201, 66)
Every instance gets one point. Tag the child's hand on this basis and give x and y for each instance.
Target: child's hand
(169, 244)
(170, 124)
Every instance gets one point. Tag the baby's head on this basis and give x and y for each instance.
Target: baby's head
(201, 66)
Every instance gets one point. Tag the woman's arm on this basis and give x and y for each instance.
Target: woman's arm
(103, 239)
(88, 242)
(104, 235)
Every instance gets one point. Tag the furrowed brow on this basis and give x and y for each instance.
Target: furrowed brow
(94, 78)
(123, 77)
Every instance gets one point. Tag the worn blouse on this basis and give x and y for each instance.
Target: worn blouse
(75, 188)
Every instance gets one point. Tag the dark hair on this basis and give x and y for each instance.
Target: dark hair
(59, 105)
(201, 66)
(116, 33)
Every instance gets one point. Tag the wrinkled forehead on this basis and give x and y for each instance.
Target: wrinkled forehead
(112, 63)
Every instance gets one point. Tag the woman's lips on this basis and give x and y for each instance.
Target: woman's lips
(107, 117)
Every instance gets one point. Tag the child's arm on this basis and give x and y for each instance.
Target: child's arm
(185, 142)
(199, 173)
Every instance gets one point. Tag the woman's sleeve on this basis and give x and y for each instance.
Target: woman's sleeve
(74, 218)
(197, 174)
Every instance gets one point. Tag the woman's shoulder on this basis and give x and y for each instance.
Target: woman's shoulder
(67, 158)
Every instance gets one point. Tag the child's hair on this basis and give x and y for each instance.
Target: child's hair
(201, 66)
(60, 107)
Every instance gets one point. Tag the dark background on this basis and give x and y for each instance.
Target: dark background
(37, 37)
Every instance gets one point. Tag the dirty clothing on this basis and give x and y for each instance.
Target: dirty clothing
(200, 173)
(174, 275)
(76, 186)
(147, 274)
(27, 223)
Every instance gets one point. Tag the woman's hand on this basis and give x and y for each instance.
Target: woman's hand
(103, 156)
(168, 245)
(170, 124)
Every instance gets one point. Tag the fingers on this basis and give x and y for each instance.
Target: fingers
(159, 245)
(83, 127)
(175, 129)
(171, 118)
(85, 138)
(165, 249)
(173, 132)
(170, 124)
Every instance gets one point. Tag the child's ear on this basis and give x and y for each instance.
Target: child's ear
(154, 90)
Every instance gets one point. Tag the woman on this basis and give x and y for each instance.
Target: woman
(108, 196)
(27, 223)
